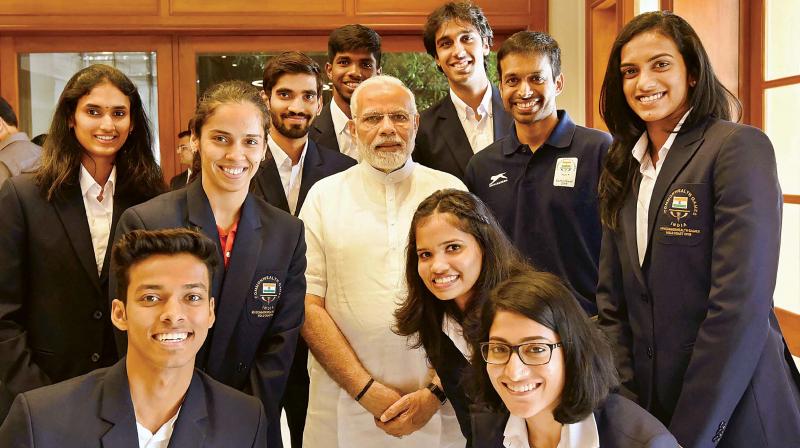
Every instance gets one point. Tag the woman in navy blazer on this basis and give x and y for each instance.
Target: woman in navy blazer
(456, 254)
(692, 212)
(259, 291)
(544, 374)
(54, 321)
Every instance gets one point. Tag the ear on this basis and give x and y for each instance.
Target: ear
(486, 47)
(416, 122)
(319, 104)
(119, 316)
(329, 70)
(351, 126)
(212, 317)
(264, 97)
(379, 71)
(559, 83)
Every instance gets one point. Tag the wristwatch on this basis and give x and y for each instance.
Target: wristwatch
(437, 392)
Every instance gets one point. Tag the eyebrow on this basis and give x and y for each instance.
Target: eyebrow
(652, 58)
(106, 107)
(156, 287)
(523, 341)
(460, 32)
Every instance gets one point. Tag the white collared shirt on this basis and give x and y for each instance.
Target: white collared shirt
(347, 144)
(649, 177)
(480, 133)
(357, 224)
(455, 332)
(159, 439)
(291, 175)
(98, 213)
(576, 435)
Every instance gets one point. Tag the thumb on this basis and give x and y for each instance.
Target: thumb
(395, 409)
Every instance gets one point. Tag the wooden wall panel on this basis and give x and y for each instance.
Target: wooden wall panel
(83, 7)
(237, 7)
(424, 7)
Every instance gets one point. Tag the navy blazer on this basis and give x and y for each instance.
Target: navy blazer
(320, 162)
(453, 369)
(54, 307)
(696, 338)
(322, 130)
(253, 341)
(441, 141)
(620, 424)
(95, 410)
(179, 180)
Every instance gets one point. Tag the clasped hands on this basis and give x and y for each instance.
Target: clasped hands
(399, 415)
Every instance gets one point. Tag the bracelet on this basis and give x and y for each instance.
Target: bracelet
(365, 389)
(437, 392)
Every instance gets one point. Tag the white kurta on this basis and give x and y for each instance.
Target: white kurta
(357, 224)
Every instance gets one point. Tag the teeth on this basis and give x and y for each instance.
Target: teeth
(105, 138)
(527, 104)
(522, 388)
(442, 280)
(233, 171)
(352, 85)
(648, 99)
(170, 337)
(461, 64)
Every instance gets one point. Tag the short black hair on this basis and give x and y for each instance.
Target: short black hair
(589, 369)
(184, 133)
(466, 12)
(354, 37)
(138, 245)
(7, 113)
(290, 62)
(531, 42)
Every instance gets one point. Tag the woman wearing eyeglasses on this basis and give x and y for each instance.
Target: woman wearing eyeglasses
(545, 375)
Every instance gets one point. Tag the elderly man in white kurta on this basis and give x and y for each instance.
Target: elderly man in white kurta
(357, 224)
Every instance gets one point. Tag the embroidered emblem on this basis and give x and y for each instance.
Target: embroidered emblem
(498, 179)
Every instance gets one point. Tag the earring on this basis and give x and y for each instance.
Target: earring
(692, 83)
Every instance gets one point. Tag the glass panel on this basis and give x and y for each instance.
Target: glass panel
(417, 70)
(781, 39)
(42, 77)
(780, 106)
(646, 6)
(788, 284)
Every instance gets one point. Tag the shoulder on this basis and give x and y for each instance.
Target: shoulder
(273, 214)
(490, 154)
(591, 136)
(333, 158)
(329, 185)
(163, 206)
(428, 117)
(24, 185)
(625, 424)
(76, 393)
(229, 403)
(436, 178)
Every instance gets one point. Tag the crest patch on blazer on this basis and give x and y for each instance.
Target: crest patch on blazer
(265, 296)
(679, 213)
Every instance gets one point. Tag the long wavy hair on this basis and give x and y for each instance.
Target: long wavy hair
(421, 313)
(138, 174)
(707, 98)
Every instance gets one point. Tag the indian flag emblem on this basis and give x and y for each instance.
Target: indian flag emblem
(269, 288)
(680, 202)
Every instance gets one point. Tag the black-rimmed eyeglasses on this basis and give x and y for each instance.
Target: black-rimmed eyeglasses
(531, 353)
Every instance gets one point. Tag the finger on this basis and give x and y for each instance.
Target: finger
(395, 409)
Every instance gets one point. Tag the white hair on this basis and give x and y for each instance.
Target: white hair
(383, 80)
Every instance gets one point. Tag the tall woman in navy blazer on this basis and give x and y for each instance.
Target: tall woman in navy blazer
(54, 321)
(259, 292)
(688, 302)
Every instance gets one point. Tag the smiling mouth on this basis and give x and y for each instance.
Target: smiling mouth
(521, 389)
(528, 105)
(651, 98)
(233, 171)
(106, 138)
(445, 281)
(352, 84)
(461, 65)
(172, 338)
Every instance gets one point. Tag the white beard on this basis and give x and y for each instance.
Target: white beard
(384, 161)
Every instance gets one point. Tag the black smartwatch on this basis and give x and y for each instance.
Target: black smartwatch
(437, 392)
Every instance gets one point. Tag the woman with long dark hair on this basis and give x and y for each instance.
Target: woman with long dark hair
(692, 213)
(55, 229)
(544, 374)
(456, 253)
(260, 287)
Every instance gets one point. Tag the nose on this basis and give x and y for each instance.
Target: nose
(106, 122)
(646, 81)
(354, 71)
(172, 311)
(235, 151)
(515, 369)
(459, 48)
(526, 90)
(386, 126)
(438, 265)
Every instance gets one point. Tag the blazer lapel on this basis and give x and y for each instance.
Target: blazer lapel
(487, 427)
(72, 213)
(121, 203)
(454, 135)
(236, 287)
(201, 219)
(191, 425)
(326, 133)
(628, 219)
(269, 182)
(679, 154)
(500, 119)
(116, 408)
(312, 172)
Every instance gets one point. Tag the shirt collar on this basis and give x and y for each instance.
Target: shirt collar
(516, 433)
(87, 181)
(640, 148)
(339, 118)
(15, 137)
(394, 177)
(484, 108)
(280, 156)
(576, 435)
(455, 332)
(560, 137)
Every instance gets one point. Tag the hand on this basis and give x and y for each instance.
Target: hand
(378, 398)
(409, 413)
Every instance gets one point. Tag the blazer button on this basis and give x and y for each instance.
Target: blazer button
(97, 315)
(650, 352)
(95, 357)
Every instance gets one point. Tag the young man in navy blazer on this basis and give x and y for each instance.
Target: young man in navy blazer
(471, 116)
(354, 55)
(541, 180)
(292, 90)
(154, 396)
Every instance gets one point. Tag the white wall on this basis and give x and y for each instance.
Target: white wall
(567, 25)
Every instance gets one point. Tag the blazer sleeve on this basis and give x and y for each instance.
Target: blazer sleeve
(18, 372)
(17, 430)
(276, 352)
(260, 440)
(613, 312)
(744, 264)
